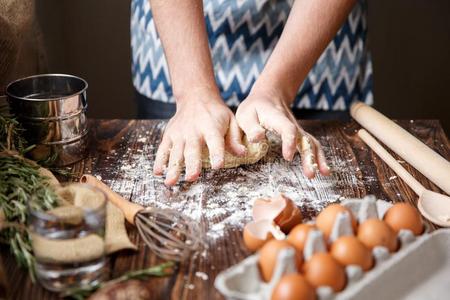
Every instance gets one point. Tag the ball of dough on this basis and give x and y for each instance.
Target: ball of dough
(255, 151)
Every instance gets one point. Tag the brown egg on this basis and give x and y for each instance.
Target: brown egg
(290, 217)
(323, 270)
(268, 255)
(293, 287)
(267, 208)
(280, 209)
(325, 219)
(257, 233)
(375, 232)
(298, 235)
(404, 216)
(348, 250)
(255, 236)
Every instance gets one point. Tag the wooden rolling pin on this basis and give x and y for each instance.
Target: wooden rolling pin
(420, 156)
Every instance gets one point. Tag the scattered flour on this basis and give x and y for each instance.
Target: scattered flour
(202, 275)
(223, 198)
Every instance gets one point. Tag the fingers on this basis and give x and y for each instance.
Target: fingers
(307, 149)
(216, 147)
(321, 159)
(193, 158)
(189, 153)
(233, 139)
(288, 132)
(313, 157)
(162, 156)
(248, 121)
(175, 164)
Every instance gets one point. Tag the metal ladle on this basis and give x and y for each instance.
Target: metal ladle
(433, 206)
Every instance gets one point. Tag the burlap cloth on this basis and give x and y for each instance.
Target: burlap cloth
(75, 199)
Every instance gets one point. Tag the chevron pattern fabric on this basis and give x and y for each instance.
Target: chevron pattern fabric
(242, 35)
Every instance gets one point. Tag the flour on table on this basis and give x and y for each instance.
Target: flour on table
(223, 198)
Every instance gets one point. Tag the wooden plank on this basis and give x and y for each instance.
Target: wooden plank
(122, 153)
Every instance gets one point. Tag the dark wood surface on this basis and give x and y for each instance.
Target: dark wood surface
(357, 172)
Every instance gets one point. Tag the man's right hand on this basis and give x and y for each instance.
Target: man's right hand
(201, 118)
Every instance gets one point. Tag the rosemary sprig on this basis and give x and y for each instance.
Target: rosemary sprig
(11, 139)
(19, 181)
(11, 136)
(160, 270)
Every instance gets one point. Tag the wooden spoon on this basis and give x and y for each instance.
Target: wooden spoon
(433, 206)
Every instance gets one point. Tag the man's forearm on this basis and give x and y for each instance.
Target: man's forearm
(181, 27)
(310, 27)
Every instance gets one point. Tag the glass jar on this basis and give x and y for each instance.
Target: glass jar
(68, 242)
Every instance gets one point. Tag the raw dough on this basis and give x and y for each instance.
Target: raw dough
(255, 151)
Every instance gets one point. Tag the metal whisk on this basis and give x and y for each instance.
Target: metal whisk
(168, 233)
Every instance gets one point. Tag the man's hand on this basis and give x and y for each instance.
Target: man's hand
(200, 119)
(310, 27)
(267, 110)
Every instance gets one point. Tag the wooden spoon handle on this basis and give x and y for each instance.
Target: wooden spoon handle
(128, 208)
(391, 162)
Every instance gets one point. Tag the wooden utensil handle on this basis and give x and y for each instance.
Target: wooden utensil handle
(416, 153)
(391, 162)
(128, 208)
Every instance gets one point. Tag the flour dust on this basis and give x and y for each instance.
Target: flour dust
(222, 199)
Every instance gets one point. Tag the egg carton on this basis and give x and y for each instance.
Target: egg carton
(243, 281)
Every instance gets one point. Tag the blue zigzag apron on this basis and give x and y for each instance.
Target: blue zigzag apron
(242, 35)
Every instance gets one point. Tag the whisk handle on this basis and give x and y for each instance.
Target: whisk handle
(128, 208)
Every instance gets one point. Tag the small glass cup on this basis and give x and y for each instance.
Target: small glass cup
(68, 245)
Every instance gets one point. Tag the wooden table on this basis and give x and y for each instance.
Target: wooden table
(122, 152)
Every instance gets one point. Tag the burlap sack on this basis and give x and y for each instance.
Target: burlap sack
(116, 237)
(75, 198)
(81, 249)
(52, 180)
(70, 214)
(82, 196)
